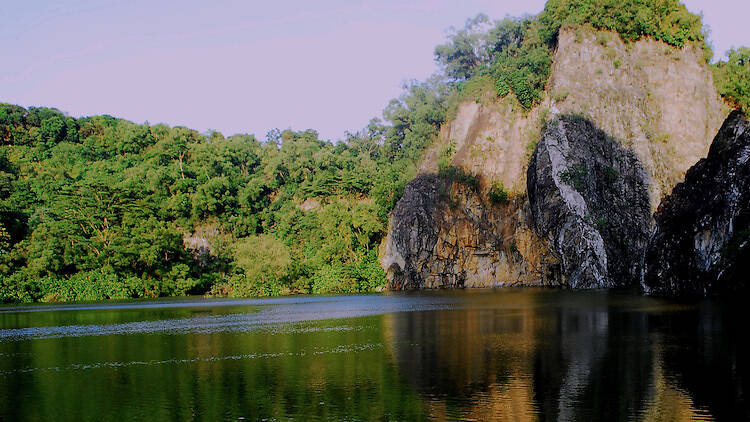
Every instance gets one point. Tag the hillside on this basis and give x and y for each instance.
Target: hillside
(435, 192)
(98, 207)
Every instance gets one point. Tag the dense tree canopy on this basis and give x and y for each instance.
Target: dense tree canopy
(99, 207)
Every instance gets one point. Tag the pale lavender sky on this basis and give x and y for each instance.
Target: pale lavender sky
(247, 66)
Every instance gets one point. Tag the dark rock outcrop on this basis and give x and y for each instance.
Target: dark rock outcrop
(701, 242)
(589, 200)
(445, 233)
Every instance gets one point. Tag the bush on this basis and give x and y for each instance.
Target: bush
(498, 194)
(524, 71)
(238, 285)
(458, 175)
(263, 263)
(445, 156)
(575, 176)
(86, 286)
(732, 78)
(664, 20)
(362, 276)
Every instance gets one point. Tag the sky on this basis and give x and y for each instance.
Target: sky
(247, 66)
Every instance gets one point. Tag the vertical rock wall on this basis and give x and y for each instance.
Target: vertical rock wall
(445, 234)
(701, 242)
(589, 201)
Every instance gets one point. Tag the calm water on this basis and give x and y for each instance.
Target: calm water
(475, 355)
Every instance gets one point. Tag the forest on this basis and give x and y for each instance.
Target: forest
(99, 208)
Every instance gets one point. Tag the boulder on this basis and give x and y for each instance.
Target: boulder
(701, 241)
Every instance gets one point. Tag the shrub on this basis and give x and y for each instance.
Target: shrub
(524, 71)
(732, 78)
(664, 20)
(575, 176)
(498, 194)
(445, 156)
(461, 176)
(262, 262)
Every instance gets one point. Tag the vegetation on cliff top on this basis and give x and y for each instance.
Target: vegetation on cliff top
(99, 207)
(517, 53)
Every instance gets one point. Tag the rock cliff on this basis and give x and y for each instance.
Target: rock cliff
(701, 241)
(589, 201)
(656, 104)
(446, 234)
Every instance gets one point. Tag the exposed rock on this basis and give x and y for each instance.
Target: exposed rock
(701, 242)
(491, 140)
(200, 242)
(443, 234)
(589, 199)
(310, 204)
(659, 101)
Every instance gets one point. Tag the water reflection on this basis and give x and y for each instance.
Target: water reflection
(511, 355)
(573, 356)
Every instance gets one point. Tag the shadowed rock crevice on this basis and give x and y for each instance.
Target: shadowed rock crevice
(701, 242)
(589, 199)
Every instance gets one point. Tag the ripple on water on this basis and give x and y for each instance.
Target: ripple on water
(267, 315)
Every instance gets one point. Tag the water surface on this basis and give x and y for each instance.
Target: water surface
(479, 355)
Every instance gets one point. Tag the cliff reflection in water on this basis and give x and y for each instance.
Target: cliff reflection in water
(541, 355)
(508, 355)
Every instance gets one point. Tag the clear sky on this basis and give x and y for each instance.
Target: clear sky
(247, 66)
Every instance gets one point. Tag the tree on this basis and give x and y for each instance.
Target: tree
(732, 77)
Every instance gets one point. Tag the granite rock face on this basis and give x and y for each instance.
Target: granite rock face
(589, 199)
(446, 234)
(660, 103)
(701, 241)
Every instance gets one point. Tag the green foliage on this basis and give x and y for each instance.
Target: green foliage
(516, 53)
(664, 20)
(505, 51)
(575, 176)
(97, 207)
(732, 78)
(262, 261)
(524, 71)
(459, 175)
(476, 43)
(498, 194)
(445, 156)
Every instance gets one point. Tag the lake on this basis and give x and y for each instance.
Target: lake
(478, 355)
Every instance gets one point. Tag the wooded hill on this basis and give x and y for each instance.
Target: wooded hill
(99, 207)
